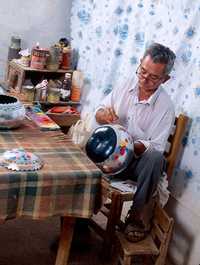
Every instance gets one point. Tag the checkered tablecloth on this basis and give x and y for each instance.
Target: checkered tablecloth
(69, 184)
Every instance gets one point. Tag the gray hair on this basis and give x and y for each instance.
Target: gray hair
(161, 54)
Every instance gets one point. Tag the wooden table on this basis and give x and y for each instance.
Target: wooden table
(68, 185)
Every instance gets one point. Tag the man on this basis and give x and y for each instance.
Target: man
(147, 112)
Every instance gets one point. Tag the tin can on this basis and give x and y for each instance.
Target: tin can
(53, 59)
(39, 58)
(66, 58)
(29, 92)
(53, 95)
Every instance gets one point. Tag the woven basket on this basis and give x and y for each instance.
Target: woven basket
(64, 119)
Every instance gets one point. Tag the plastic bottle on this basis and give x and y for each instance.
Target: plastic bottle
(77, 83)
(65, 92)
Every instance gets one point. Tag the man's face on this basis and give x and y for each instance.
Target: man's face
(151, 75)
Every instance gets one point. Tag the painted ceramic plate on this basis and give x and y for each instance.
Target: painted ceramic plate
(20, 160)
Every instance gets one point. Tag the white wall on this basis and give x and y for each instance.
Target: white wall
(40, 20)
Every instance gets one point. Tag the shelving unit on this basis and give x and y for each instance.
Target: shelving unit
(17, 74)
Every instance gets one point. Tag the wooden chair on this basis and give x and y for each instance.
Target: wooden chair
(112, 210)
(154, 246)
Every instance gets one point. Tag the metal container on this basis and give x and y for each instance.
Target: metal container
(66, 58)
(53, 95)
(29, 92)
(53, 59)
(39, 58)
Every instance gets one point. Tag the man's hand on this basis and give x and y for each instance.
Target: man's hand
(106, 115)
(139, 148)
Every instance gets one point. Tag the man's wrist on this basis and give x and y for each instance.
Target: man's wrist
(139, 149)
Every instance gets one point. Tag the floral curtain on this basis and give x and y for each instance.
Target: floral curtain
(111, 37)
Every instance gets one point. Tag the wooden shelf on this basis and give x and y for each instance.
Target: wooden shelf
(19, 66)
(45, 104)
(60, 103)
(17, 74)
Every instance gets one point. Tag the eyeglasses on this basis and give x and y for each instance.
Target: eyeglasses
(144, 74)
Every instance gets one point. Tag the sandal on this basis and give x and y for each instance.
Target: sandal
(135, 231)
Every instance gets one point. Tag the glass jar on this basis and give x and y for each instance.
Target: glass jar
(15, 43)
(53, 95)
(29, 92)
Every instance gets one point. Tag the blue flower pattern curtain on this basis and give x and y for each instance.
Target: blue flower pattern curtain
(111, 37)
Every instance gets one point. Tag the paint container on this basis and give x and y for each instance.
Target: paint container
(53, 59)
(66, 58)
(39, 58)
(29, 92)
(77, 84)
(53, 95)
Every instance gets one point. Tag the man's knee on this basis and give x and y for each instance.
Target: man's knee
(154, 155)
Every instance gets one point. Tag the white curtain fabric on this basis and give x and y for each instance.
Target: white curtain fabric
(111, 37)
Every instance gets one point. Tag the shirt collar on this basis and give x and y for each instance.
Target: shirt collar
(150, 101)
(154, 96)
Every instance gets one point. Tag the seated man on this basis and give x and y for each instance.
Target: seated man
(147, 112)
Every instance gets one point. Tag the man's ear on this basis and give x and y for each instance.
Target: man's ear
(166, 78)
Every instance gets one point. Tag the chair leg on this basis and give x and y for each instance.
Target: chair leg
(127, 260)
(116, 260)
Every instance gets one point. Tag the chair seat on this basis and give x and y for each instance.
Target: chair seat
(107, 190)
(146, 246)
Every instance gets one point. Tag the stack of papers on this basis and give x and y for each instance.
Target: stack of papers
(124, 185)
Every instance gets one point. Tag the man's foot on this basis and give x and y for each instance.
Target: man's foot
(134, 228)
(135, 231)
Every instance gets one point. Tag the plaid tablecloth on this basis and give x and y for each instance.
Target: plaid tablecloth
(69, 184)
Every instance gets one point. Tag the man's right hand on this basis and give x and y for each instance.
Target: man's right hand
(106, 115)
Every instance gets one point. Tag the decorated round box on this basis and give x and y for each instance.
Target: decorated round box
(110, 147)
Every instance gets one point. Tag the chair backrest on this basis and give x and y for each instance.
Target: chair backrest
(175, 142)
(161, 232)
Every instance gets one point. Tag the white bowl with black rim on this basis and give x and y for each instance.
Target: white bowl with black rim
(12, 112)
